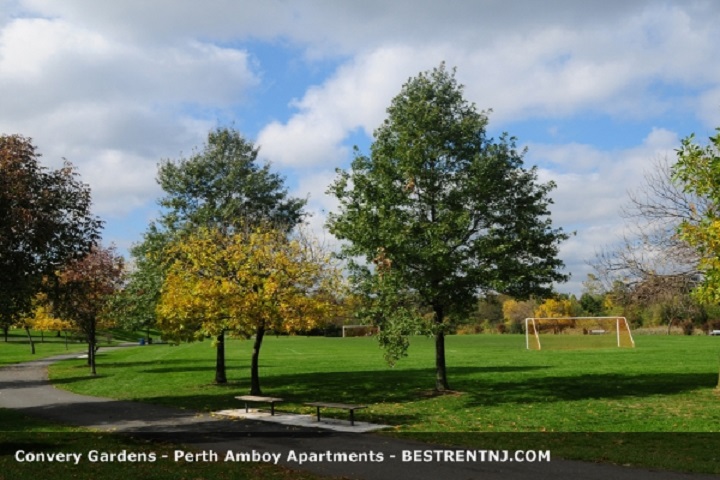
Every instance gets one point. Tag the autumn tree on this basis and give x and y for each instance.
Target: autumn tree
(554, 308)
(698, 168)
(41, 319)
(83, 290)
(221, 186)
(454, 212)
(516, 311)
(45, 221)
(246, 283)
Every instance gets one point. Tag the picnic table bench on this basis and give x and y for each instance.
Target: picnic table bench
(260, 399)
(344, 406)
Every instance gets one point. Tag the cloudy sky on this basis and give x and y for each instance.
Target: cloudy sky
(597, 90)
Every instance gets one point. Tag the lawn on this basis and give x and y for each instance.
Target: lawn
(17, 348)
(666, 386)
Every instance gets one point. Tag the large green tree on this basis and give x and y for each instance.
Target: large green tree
(221, 186)
(45, 222)
(451, 211)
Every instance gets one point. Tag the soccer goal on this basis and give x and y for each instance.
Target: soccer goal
(359, 330)
(577, 333)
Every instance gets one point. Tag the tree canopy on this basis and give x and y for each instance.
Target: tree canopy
(224, 185)
(698, 168)
(45, 222)
(246, 283)
(453, 211)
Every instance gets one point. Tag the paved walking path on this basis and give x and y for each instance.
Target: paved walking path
(25, 387)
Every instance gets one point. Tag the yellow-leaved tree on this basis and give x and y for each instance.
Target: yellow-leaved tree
(41, 319)
(246, 283)
(554, 308)
(560, 309)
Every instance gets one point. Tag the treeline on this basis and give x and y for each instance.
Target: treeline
(497, 313)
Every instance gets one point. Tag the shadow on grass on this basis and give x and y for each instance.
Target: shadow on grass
(413, 385)
(586, 387)
(369, 386)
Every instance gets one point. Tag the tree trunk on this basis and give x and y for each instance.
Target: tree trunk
(220, 376)
(91, 357)
(6, 330)
(92, 341)
(441, 383)
(254, 364)
(32, 344)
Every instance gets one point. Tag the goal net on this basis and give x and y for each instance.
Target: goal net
(359, 330)
(577, 333)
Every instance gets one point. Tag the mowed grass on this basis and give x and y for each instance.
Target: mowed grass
(17, 348)
(667, 385)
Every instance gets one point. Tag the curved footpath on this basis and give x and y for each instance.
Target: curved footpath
(25, 387)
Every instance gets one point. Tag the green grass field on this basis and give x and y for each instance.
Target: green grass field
(666, 384)
(17, 348)
(601, 404)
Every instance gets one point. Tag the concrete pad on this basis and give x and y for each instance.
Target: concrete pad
(309, 421)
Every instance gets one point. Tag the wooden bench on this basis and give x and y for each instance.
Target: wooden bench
(260, 399)
(715, 332)
(344, 406)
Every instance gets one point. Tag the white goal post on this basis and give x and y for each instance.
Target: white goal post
(359, 330)
(577, 332)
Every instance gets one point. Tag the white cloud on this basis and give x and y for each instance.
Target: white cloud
(313, 186)
(356, 96)
(113, 109)
(592, 184)
(592, 189)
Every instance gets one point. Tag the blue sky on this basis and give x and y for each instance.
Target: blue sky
(598, 91)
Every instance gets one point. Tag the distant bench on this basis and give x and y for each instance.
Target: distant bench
(260, 399)
(343, 406)
(597, 332)
(715, 332)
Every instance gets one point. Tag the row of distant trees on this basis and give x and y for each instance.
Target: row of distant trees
(502, 314)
